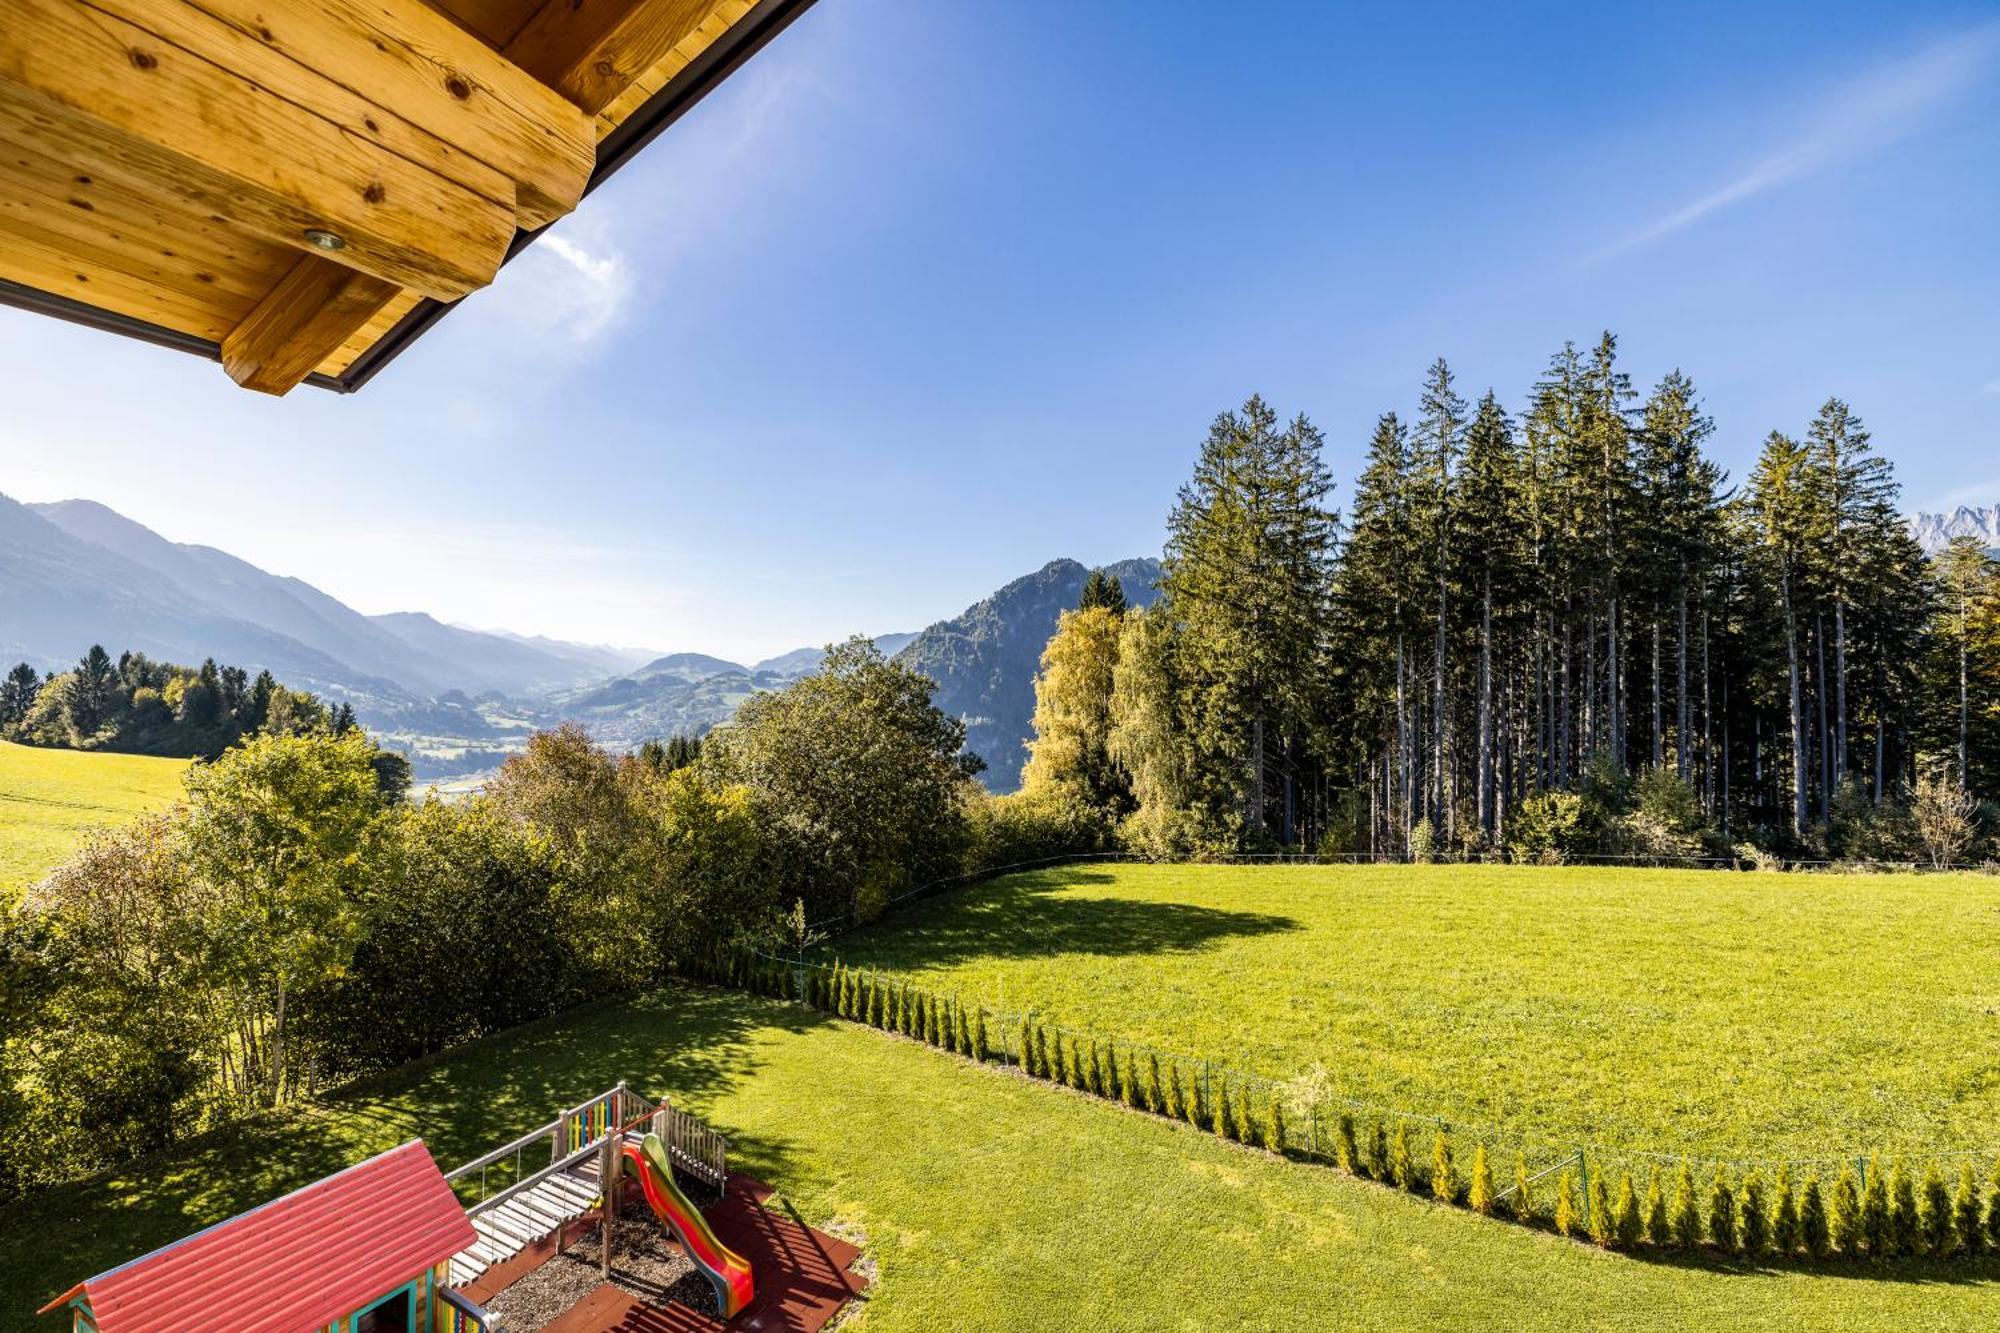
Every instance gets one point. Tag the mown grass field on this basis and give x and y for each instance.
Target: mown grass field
(986, 1201)
(50, 800)
(1675, 1011)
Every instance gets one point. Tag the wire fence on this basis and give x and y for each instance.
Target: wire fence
(1319, 1122)
(839, 924)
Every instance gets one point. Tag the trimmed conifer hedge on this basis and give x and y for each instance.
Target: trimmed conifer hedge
(1866, 1212)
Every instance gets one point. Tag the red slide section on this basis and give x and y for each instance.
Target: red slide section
(728, 1271)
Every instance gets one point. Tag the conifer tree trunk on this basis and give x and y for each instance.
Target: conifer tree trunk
(1840, 687)
(1799, 719)
(1482, 798)
(1681, 713)
(1659, 736)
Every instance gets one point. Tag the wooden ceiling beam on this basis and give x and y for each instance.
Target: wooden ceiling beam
(399, 74)
(303, 320)
(116, 99)
(591, 50)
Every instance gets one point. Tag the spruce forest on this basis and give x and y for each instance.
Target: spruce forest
(1558, 630)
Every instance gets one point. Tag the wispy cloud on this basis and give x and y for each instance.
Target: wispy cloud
(1866, 114)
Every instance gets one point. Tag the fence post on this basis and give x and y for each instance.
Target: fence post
(1583, 1178)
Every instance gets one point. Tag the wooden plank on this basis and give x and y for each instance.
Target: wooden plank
(668, 66)
(369, 334)
(400, 74)
(313, 309)
(115, 100)
(591, 50)
(493, 21)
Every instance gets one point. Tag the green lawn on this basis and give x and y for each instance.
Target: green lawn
(50, 800)
(987, 1201)
(1675, 1011)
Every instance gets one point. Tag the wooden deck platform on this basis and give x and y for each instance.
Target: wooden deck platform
(531, 1216)
(804, 1276)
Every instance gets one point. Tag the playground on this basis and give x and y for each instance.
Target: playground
(619, 1213)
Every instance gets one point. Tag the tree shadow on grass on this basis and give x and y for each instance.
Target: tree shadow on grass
(1031, 916)
(1964, 1270)
(691, 1045)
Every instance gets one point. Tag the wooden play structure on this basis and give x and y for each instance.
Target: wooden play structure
(362, 1251)
(395, 1245)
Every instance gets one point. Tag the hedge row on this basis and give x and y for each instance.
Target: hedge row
(1870, 1212)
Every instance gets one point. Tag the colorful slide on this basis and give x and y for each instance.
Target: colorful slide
(729, 1271)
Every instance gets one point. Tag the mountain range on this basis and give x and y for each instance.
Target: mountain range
(457, 700)
(1935, 531)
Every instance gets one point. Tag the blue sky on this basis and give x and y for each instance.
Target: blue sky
(932, 293)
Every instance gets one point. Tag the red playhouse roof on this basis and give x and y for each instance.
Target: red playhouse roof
(297, 1262)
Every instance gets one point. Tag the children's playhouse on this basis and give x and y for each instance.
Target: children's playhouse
(395, 1245)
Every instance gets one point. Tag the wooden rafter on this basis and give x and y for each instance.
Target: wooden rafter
(285, 179)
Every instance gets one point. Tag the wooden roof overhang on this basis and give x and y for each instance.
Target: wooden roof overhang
(299, 188)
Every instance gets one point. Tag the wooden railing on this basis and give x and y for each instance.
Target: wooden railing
(461, 1315)
(692, 1145)
(580, 1131)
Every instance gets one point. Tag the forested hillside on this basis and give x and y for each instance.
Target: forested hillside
(983, 660)
(1556, 629)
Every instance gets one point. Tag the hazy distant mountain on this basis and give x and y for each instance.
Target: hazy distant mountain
(687, 668)
(984, 660)
(60, 593)
(125, 586)
(801, 661)
(1935, 531)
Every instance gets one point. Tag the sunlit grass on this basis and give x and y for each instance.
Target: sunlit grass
(1679, 1011)
(50, 800)
(986, 1201)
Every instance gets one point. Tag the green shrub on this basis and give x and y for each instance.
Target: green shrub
(979, 1036)
(1938, 1234)
(1155, 1096)
(1135, 1089)
(1522, 1205)
(1547, 827)
(1346, 1152)
(1965, 1212)
(1785, 1216)
(1904, 1230)
(1659, 1230)
(1721, 1213)
(901, 1020)
(1402, 1166)
(1444, 1175)
(1843, 1215)
(1093, 1073)
(1565, 1203)
(1813, 1231)
(1599, 1217)
(1274, 1126)
(1219, 1117)
(1753, 1220)
(1479, 1195)
(1626, 1223)
(1044, 1064)
(1993, 1208)
(1027, 1038)
(1875, 1240)
(1378, 1150)
(1686, 1214)
(1170, 1095)
(1245, 1132)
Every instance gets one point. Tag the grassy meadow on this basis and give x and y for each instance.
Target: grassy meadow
(50, 800)
(984, 1199)
(1671, 1011)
